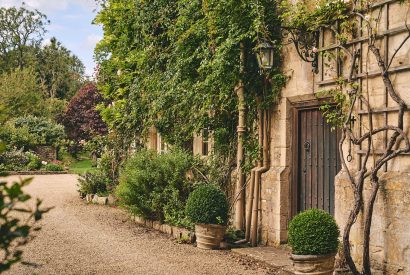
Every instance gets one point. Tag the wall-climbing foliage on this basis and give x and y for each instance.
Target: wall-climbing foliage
(174, 64)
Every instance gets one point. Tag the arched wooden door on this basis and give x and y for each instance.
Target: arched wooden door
(317, 162)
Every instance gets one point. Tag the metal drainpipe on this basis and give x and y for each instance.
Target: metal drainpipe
(252, 180)
(240, 195)
(258, 179)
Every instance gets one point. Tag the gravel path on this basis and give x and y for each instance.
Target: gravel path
(88, 239)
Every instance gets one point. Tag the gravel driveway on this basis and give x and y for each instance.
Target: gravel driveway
(88, 239)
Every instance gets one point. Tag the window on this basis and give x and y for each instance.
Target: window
(205, 142)
(162, 147)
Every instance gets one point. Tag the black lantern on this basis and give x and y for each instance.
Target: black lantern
(265, 55)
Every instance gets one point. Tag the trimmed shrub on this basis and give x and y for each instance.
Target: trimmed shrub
(207, 204)
(156, 186)
(51, 167)
(94, 183)
(313, 232)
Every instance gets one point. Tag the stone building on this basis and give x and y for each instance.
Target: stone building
(305, 169)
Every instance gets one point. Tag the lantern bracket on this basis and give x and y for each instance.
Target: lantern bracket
(306, 44)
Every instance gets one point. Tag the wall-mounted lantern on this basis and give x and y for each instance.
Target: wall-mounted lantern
(265, 52)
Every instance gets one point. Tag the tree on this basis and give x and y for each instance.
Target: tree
(61, 73)
(20, 95)
(21, 31)
(82, 120)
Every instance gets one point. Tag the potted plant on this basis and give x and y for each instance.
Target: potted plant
(207, 208)
(313, 236)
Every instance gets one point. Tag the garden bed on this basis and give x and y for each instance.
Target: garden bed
(179, 233)
(17, 173)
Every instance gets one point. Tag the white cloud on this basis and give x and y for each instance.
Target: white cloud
(49, 6)
(92, 40)
(46, 42)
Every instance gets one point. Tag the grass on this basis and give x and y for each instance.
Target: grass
(81, 167)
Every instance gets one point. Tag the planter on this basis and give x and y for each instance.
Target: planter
(314, 264)
(209, 236)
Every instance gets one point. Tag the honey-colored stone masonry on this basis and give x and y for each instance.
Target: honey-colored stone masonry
(390, 236)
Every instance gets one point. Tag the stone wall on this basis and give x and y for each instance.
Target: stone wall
(390, 236)
(47, 152)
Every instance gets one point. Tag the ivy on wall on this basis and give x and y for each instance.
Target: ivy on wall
(174, 64)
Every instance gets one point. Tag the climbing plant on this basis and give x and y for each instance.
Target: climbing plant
(174, 64)
(342, 19)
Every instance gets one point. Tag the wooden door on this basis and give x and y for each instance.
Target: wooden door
(317, 161)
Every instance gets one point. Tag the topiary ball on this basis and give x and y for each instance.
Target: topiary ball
(313, 232)
(207, 204)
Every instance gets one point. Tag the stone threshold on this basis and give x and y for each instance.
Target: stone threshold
(277, 258)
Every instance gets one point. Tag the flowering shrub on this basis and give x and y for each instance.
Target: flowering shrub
(15, 160)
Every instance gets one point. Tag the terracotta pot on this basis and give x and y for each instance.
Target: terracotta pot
(209, 236)
(314, 264)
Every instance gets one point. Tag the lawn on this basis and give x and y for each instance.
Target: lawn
(81, 167)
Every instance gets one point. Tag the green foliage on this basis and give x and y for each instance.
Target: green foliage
(156, 186)
(32, 71)
(336, 109)
(82, 166)
(17, 160)
(313, 232)
(96, 145)
(94, 183)
(310, 15)
(14, 160)
(232, 235)
(51, 167)
(34, 162)
(21, 31)
(48, 133)
(207, 204)
(29, 132)
(174, 64)
(60, 72)
(16, 232)
(20, 94)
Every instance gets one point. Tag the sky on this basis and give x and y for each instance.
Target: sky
(71, 23)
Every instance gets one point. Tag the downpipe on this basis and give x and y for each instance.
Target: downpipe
(258, 178)
(240, 181)
(253, 173)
